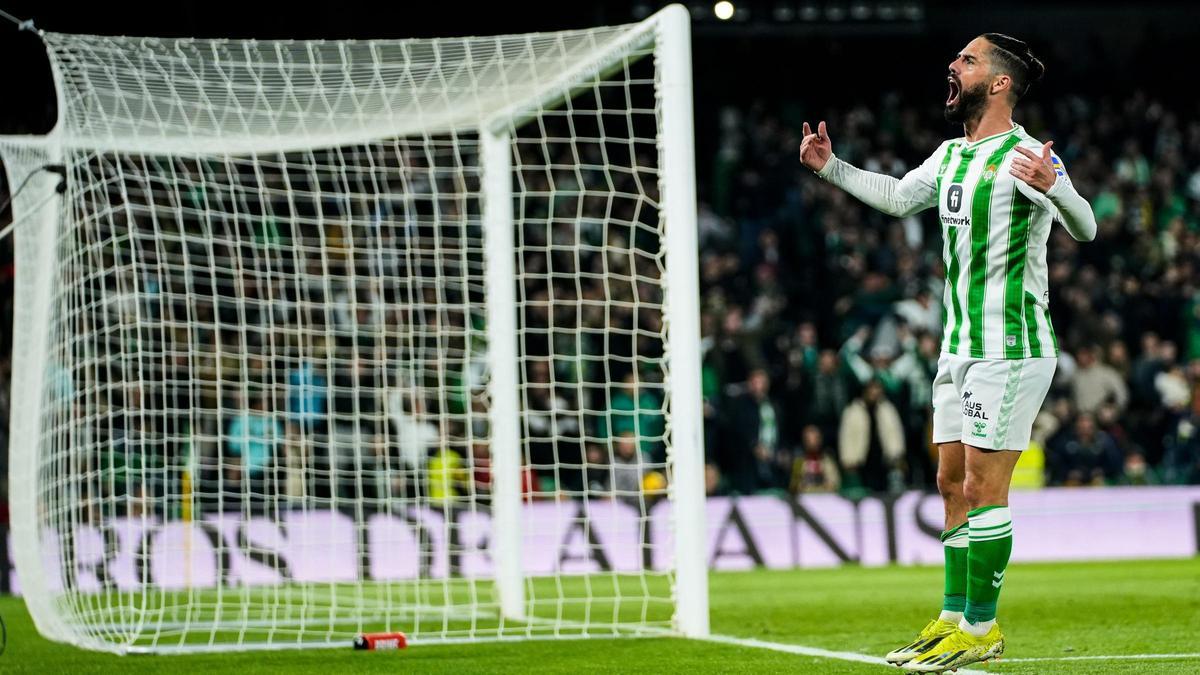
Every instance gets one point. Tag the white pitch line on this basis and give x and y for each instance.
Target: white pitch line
(815, 651)
(1117, 657)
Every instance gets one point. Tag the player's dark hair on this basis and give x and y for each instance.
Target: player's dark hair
(1017, 61)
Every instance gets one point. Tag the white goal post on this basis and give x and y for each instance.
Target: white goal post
(325, 338)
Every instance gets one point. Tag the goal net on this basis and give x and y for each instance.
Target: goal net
(331, 338)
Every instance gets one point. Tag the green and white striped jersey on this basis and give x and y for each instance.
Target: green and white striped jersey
(995, 228)
(996, 303)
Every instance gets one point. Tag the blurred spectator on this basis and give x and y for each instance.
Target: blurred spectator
(1084, 455)
(627, 468)
(793, 372)
(636, 408)
(714, 483)
(1173, 389)
(552, 426)
(1146, 368)
(448, 476)
(1136, 471)
(752, 443)
(815, 469)
(1131, 166)
(922, 312)
(128, 461)
(596, 475)
(736, 351)
(1097, 383)
(481, 473)
(251, 441)
(308, 394)
(829, 394)
(1109, 420)
(871, 440)
(297, 460)
(1181, 461)
(914, 372)
(415, 431)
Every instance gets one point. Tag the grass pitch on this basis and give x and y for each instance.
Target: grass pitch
(1056, 612)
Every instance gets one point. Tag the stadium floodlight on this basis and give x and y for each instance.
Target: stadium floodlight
(333, 337)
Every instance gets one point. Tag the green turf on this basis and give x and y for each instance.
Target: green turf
(1048, 610)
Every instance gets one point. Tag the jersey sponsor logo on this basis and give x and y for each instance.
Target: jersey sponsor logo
(955, 221)
(1058, 165)
(954, 198)
(974, 410)
(971, 408)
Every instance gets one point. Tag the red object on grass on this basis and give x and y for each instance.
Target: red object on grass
(380, 641)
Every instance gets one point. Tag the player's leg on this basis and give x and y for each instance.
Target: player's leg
(998, 433)
(947, 432)
(989, 473)
(977, 637)
(999, 402)
(950, 478)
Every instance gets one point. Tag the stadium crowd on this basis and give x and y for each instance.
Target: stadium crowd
(820, 324)
(838, 307)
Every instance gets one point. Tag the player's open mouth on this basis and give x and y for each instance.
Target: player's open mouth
(955, 88)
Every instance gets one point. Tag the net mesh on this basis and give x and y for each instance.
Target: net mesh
(265, 408)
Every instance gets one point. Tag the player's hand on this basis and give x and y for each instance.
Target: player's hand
(815, 149)
(1037, 171)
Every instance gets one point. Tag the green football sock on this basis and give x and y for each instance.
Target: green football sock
(987, 557)
(954, 542)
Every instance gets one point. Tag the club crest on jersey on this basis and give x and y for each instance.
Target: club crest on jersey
(989, 174)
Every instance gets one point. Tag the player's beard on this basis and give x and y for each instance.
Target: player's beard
(970, 105)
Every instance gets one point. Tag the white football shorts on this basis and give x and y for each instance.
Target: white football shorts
(989, 403)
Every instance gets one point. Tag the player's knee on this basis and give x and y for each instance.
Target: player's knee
(949, 485)
(979, 492)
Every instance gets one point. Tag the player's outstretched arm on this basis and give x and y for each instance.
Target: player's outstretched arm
(1039, 173)
(895, 197)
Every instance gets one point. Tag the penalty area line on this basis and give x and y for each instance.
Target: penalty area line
(801, 650)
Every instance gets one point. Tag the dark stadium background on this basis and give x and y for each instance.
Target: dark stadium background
(1109, 45)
